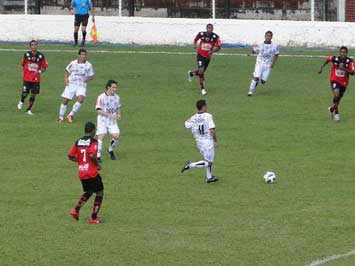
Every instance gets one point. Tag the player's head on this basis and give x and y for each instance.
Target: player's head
(268, 36)
(343, 51)
(201, 105)
(209, 28)
(33, 45)
(90, 129)
(111, 86)
(83, 55)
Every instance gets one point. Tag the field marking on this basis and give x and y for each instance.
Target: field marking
(157, 52)
(332, 258)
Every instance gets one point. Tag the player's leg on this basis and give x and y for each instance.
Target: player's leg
(208, 155)
(115, 134)
(34, 91)
(24, 93)
(101, 132)
(336, 99)
(83, 29)
(80, 97)
(198, 164)
(256, 78)
(77, 22)
(67, 95)
(265, 73)
(98, 188)
(83, 199)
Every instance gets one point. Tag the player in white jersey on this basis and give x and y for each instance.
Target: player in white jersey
(203, 129)
(108, 108)
(268, 54)
(76, 76)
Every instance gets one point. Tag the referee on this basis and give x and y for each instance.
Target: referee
(82, 10)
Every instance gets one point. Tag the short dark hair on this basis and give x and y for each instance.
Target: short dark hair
(343, 48)
(200, 104)
(110, 82)
(82, 50)
(269, 32)
(209, 25)
(89, 127)
(33, 41)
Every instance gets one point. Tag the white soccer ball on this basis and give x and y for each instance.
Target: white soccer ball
(269, 177)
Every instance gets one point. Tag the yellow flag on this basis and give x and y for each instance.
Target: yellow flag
(93, 33)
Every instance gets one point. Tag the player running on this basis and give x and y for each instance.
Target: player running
(209, 43)
(342, 67)
(268, 53)
(84, 153)
(203, 129)
(33, 64)
(108, 108)
(77, 74)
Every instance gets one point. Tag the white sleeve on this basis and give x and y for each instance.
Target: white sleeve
(256, 49)
(90, 72)
(69, 67)
(277, 49)
(210, 122)
(99, 103)
(188, 123)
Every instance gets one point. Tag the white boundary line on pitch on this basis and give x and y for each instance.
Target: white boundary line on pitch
(332, 258)
(158, 52)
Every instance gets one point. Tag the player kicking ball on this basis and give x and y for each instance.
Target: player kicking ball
(342, 67)
(108, 108)
(77, 74)
(84, 153)
(208, 44)
(268, 53)
(203, 129)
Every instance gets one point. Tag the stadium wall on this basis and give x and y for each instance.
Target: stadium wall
(174, 31)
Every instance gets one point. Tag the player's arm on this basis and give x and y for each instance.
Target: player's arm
(329, 59)
(217, 47)
(89, 78)
(188, 123)
(66, 77)
(72, 7)
(350, 70)
(214, 136)
(72, 154)
(94, 160)
(108, 115)
(274, 59)
(91, 8)
(44, 65)
(197, 38)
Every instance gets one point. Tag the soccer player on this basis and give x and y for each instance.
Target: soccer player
(77, 74)
(84, 153)
(268, 53)
(203, 129)
(342, 67)
(33, 64)
(82, 10)
(108, 108)
(209, 43)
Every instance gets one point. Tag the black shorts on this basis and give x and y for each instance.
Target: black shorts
(93, 184)
(202, 61)
(32, 87)
(335, 85)
(81, 19)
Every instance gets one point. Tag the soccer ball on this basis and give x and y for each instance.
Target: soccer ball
(270, 177)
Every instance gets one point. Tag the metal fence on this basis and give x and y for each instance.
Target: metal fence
(318, 10)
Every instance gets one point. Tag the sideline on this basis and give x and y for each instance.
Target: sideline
(331, 258)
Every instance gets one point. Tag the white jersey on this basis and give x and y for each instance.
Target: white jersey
(109, 104)
(266, 53)
(200, 125)
(79, 72)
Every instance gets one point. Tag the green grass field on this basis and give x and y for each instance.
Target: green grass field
(153, 215)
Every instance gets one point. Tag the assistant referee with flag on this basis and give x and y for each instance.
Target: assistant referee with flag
(82, 10)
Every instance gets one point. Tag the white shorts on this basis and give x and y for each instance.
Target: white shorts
(72, 90)
(206, 150)
(261, 72)
(102, 128)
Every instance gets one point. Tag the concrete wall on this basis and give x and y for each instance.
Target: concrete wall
(160, 31)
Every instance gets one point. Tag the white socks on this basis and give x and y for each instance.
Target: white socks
(199, 164)
(99, 148)
(253, 85)
(75, 109)
(62, 110)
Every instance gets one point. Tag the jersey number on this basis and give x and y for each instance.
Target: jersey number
(201, 129)
(83, 151)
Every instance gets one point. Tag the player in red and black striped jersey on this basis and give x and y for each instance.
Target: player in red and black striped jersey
(33, 64)
(342, 68)
(84, 153)
(208, 43)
